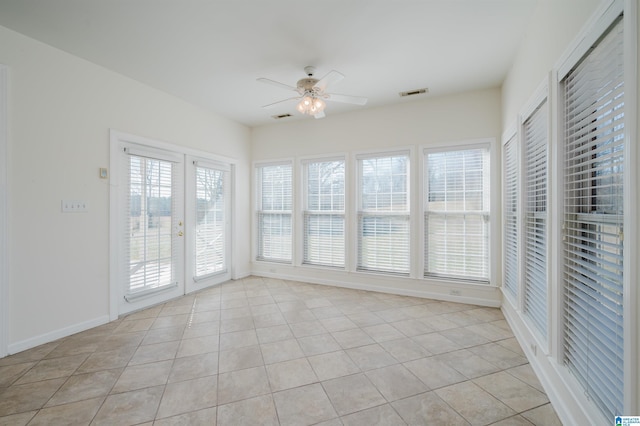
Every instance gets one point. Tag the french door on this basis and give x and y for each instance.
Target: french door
(152, 210)
(170, 223)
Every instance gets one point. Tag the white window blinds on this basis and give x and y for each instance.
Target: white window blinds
(151, 250)
(594, 160)
(535, 217)
(210, 227)
(456, 214)
(324, 238)
(510, 212)
(383, 214)
(274, 212)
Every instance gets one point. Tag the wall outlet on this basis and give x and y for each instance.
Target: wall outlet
(74, 206)
(534, 349)
(455, 292)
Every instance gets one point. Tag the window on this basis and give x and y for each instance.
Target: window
(594, 126)
(324, 213)
(210, 222)
(383, 213)
(274, 212)
(510, 211)
(456, 214)
(535, 217)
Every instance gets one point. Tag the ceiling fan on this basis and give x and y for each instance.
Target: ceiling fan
(313, 92)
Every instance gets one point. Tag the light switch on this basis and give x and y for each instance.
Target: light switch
(74, 206)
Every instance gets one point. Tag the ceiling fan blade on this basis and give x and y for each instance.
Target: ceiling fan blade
(346, 99)
(277, 84)
(331, 78)
(280, 102)
(319, 115)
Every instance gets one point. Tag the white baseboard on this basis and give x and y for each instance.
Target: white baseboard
(56, 334)
(482, 295)
(241, 275)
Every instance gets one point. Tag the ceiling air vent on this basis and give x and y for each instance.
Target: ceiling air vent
(414, 92)
(278, 117)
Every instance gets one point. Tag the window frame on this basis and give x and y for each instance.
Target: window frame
(303, 203)
(540, 98)
(511, 136)
(595, 33)
(257, 166)
(358, 211)
(489, 145)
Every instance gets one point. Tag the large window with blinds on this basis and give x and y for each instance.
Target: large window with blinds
(275, 184)
(456, 213)
(383, 213)
(535, 147)
(510, 217)
(594, 165)
(324, 236)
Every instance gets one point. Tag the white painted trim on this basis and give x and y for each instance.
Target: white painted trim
(631, 245)
(57, 334)
(510, 134)
(4, 199)
(539, 97)
(114, 238)
(601, 19)
(167, 146)
(511, 131)
(495, 200)
(255, 196)
(301, 204)
(568, 405)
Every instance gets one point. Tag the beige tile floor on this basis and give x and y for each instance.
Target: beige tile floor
(273, 352)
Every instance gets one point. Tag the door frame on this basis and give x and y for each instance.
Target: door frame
(4, 199)
(116, 139)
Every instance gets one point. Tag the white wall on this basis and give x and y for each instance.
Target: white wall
(553, 27)
(552, 34)
(60, 111)
(428, 121)
(431, 121)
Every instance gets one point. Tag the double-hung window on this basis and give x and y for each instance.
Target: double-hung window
(594, 165)
(383, 213)
(456, 213)
(510, 216)
(274, 182)
(535, 149)
(324, 237)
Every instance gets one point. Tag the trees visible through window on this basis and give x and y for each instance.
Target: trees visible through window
(456, 214)
(324, 237)
(383, 214)
(274, 212)
(210, 235)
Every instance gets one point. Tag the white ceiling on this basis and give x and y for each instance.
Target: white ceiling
(210, 52)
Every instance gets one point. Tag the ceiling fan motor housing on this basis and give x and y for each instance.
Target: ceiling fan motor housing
(306, 84)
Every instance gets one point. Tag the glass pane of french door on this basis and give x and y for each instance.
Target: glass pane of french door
(154, 229)
(208, 243)
(210, 254)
